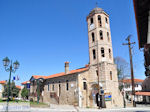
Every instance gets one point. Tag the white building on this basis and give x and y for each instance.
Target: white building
(145, 90)
(127, 88)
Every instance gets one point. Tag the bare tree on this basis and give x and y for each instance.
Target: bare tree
(122, 68)
(122, 72)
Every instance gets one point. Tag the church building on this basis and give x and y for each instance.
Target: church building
(79, 87)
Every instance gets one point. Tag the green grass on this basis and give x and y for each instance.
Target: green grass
(1, 100)
(32, 104)
(40, 104)
(11, 101)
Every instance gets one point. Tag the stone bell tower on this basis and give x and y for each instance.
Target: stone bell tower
(99, 32)
(100, 53)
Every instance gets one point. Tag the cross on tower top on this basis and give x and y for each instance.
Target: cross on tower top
(96, 4)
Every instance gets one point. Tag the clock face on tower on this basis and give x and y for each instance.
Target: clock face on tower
(92, 26)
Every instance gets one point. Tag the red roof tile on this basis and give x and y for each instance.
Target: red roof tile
(19, 87)
(63, 74)
(143, 93)
(2, 82)
(38, 76)
(129, 80)
(23, 83)
(60, 74)
(78, 70)
(55, 75)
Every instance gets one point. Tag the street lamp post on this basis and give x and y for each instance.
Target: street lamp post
(38, 98)
(11, 68)
(28, 87)
(38, 89)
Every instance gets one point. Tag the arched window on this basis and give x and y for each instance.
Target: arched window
(67, 85)
(53, 86)
(106, 20)
(59, 84)
(59, 88)
(48, 87)
(91, 20)
(108, 36)
(84, 85)
(93, 37)
(99, 20)
(102, 52)
(109, 53)
(97, 72)
(110, 75)
(101, 34)
(94, 54)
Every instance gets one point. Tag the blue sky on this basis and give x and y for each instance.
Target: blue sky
(43, 34)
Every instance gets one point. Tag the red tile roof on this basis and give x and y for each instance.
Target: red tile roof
(23, 83)
(129, 80)
(38, 76)
(61, 74)
(143, 93)
(2, 82)
(19, 87)
(55, 75)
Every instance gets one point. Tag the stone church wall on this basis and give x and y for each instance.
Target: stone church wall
(65, 96)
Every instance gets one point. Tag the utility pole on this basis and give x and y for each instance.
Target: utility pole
(131, 66)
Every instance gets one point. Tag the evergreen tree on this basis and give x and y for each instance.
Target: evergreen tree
(14, 91)
(25, 93)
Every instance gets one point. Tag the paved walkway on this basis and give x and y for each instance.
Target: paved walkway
(25, 107)
(92, 110)
(63, 107)
(14, 107)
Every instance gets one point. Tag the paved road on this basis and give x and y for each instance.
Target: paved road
(84, 110)
(92, 110)
(25, 107)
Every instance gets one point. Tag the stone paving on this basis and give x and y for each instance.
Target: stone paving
(24, 107)
(69, 108)
(14, 106)
(92, 110)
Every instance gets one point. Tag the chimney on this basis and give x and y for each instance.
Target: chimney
(66, 67)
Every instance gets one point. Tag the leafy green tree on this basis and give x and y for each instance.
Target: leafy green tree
(14, 91)
(25, 93)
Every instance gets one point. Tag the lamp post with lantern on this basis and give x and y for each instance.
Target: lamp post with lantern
(38, 81)
(10, 67)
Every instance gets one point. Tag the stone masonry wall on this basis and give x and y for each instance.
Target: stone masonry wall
(65, 96)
